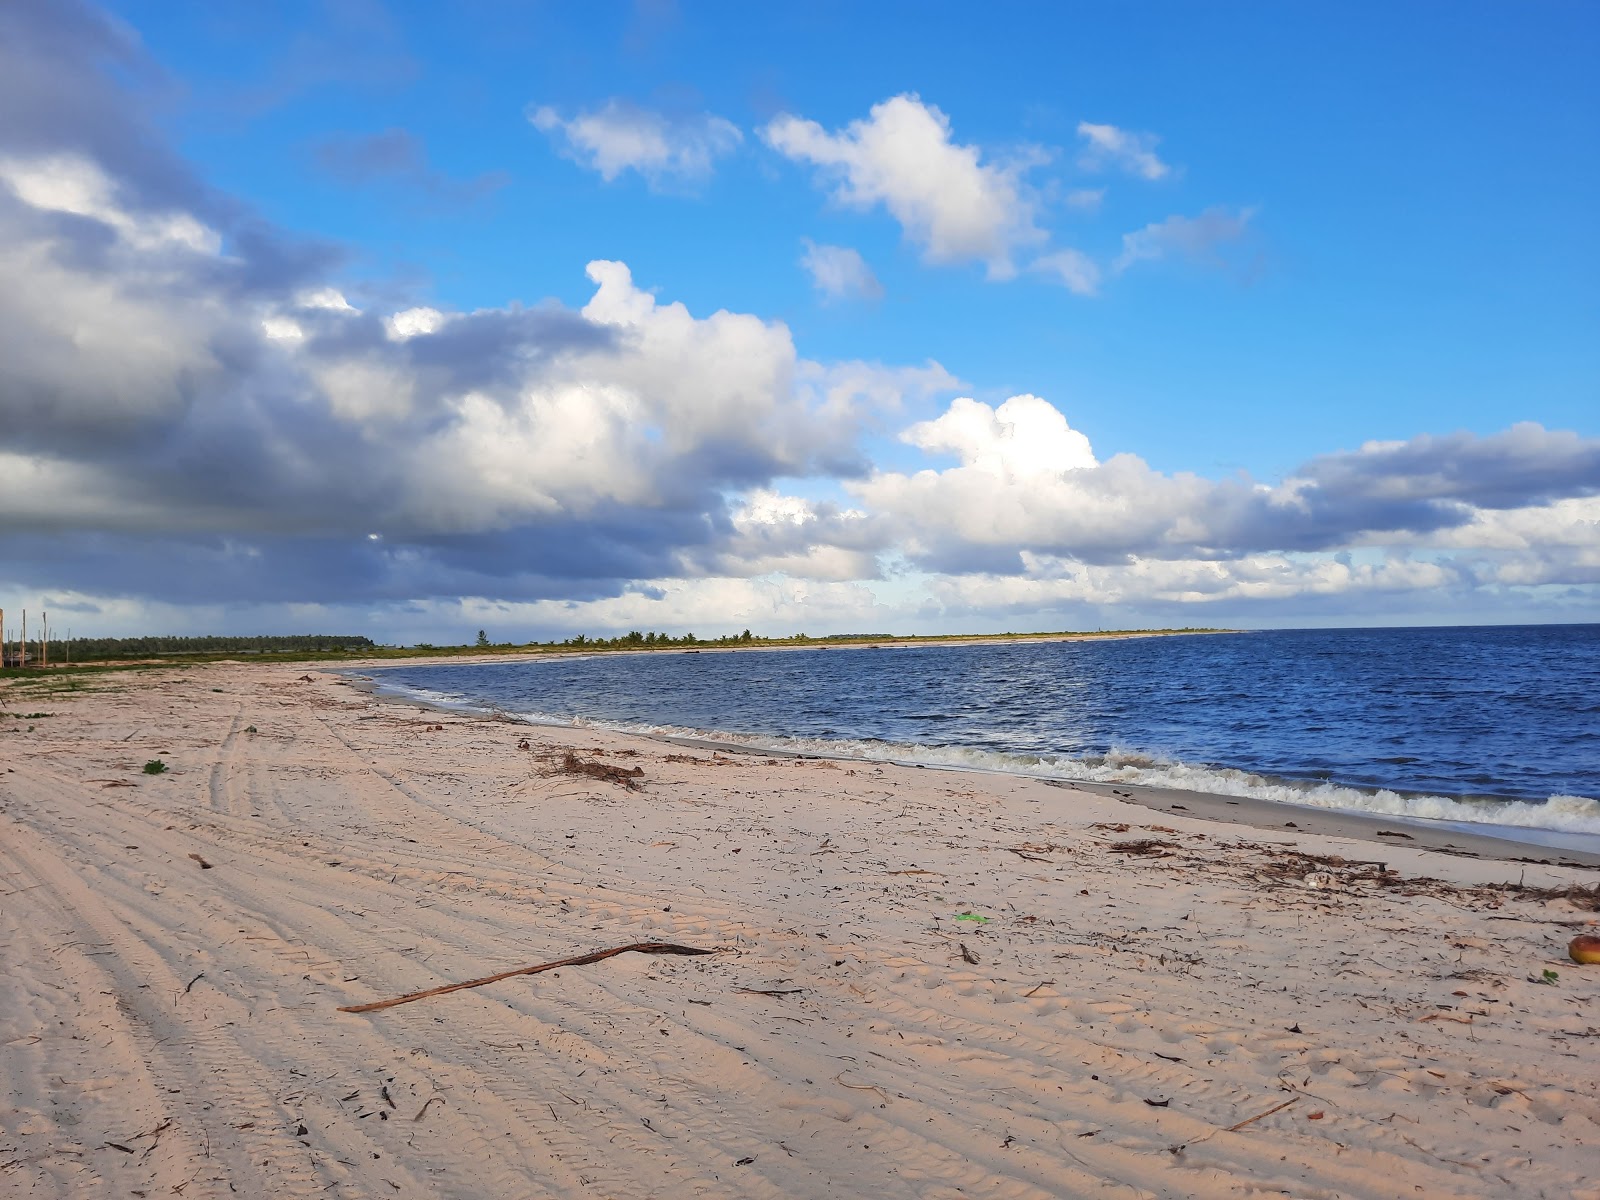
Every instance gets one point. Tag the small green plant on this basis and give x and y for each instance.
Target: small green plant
(155, 767)
(249, 728)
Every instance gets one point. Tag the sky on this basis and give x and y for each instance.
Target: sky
(409, 320)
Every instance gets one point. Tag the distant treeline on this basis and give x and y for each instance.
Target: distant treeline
(635, 640)
(296, 647)
(101, 649)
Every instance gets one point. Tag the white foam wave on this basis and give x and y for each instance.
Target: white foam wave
(1560, 813)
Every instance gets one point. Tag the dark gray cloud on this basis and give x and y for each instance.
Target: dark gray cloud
(398, 156)
(564, 561)
(1526, 464)
(56, 59)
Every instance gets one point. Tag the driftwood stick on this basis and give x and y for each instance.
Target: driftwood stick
(580, 960)
(1268, 1113)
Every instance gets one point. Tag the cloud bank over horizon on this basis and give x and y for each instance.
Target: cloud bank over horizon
(205, 422)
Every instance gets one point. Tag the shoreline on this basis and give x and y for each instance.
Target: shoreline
(917, 984)
(1557, 847)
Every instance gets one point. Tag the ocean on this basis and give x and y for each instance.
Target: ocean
(1478, 726)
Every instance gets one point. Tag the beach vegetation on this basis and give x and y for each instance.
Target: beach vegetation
(111, 649)
(155, 767)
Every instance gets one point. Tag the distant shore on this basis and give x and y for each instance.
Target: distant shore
(515, 651)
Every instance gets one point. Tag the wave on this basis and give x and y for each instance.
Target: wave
(1559, 814)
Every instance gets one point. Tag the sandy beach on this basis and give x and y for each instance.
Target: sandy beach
(922, 983)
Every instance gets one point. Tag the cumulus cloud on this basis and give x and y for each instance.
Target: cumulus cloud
(951, 203)
(1024, 438)
(839, 272)
(1106, 145)
(619, 136)
(1025, 482)
(180, 384)
(1197, 239)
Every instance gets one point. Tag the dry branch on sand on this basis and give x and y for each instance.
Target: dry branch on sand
(1151, 846)
(578, 961)
(571, 764)
(565, 762)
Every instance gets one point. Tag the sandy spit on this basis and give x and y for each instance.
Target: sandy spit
(926, 984)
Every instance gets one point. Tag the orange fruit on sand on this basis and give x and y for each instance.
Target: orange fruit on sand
(1584, 949)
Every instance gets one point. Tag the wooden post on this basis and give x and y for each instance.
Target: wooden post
(44, 639)
(22, 646)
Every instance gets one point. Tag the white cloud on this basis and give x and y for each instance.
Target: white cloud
(1194, 238)
(1046, 584)
(951, 203)
(794, 536)
(1027, 483)
(1024, 438)
(328, 298)
(620, 136)
(1132, 152)
(1086, 200)
(70, 183)
(282, 329)
(839, 272)
(1075, 270)
(413, 322)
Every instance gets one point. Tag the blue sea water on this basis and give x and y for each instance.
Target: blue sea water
(1494, 725)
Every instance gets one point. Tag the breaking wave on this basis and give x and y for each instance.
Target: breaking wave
(1565, 814)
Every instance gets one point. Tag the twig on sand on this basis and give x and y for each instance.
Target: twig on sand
(771, 991)
(1182, 1146)
(578, 961)
(861, 1087)
(1268, 1113)
(204, 865)
(1021, 853)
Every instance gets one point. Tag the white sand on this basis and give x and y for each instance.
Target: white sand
(167, 1029)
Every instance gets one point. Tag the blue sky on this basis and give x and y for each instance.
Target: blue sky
(1266, 253)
